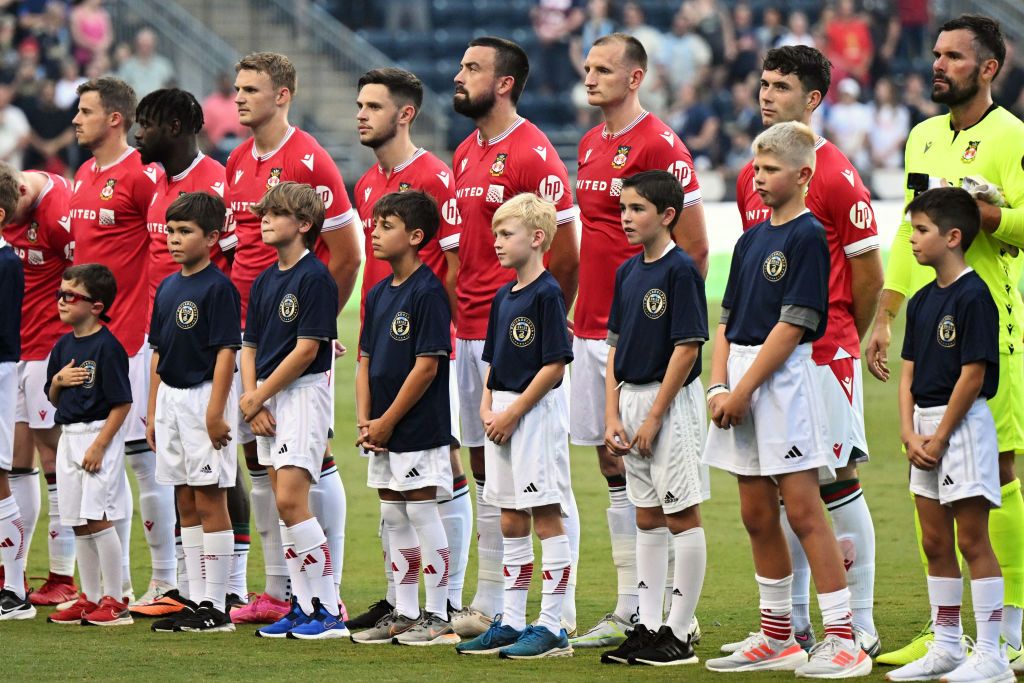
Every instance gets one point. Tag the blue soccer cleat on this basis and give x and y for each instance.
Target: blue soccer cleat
(538, 642)
(281, 627)
(490, 641)
(320, 625)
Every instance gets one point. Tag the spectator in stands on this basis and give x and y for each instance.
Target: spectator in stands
(848, 124)
(51, 32)
(653, 95)
(8, 48)
(798, 31)
(848, 43)
(91, 30)
(914, 18)
(1009, 84)
(66, 89)
(890, 125)
(222, 129)
(554, 23)
(146, 70)
(52, 135)
(697, 125)
(918, 99)
(407, 15)
(771, 30)
(598, 23)
(14, 129)
(885, 34)
(714, 25)
(685, 56)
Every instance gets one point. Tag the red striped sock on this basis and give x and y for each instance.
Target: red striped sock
(777, 624)
(842, 628)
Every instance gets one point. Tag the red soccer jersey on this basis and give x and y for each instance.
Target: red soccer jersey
(108, 221)
(837, 197)
(646, 144)
(299, 157)
(203, 175)
(521, 159)
(44, 245)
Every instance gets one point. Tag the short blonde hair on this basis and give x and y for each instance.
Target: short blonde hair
(792, 142)
(530, 210)
(277, 66)
(298, 200)
(10, 191)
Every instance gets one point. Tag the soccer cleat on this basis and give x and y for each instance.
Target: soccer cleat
(491, 640)
(469, 622)
(805, 639)
(664, 650)
(55, 590)
(695, 633)
(109, 612)
(320, 625)
(429, 630)
(233, 602)
(981, 667)
(169, 603)
(936, 662)
(156, 590)
(281, 627)
(206, 619)
(835, 657)
(73, 613)
(13, 608)
(869, 642)
(385, 629)
(1016, 658)
(264, 609)
(912, 651)
(537, 642)
(611, 630)
(370, 617)
(761, 653)
(167, 624)
(637, 638)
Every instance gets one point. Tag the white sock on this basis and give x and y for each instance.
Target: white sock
(855, 531)
(25, 489)
(237, 583)
(301, 589)
(317, 563)
(690, 549)
(88, 568)
(572, 530)
(268, 527)
(457, 518)
(218, 552)
(389, 572)
(946, 595)
(192, 547)
(651, 569)
(987, 596)
(1012, 618)
(124, 534)
(405, 557)
(179, 554)
(556, 568)
(329, 505)
(801, 589)
(12, 546)
(490, 553)
(835, 614)
(622, 527)
(670, 574)
(156, 503)
(108, 547)
(518, 573)
(61, 539)
(435, 553)
(776, 604)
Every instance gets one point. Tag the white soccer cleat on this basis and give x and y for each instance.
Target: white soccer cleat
(835, 657)
(937, 662)
(469, 622)
(695, 634)
(869, 642)
(981, 667)
(155, 591)
(761, 653)
(610, 631)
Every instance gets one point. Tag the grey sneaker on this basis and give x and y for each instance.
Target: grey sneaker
(384, 630)
(429, 630)
(608, 632)
(469, 622)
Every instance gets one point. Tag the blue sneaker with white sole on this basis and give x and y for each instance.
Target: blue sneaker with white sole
(538, 642)
(281, 627)
(490, 641)
(320, 625)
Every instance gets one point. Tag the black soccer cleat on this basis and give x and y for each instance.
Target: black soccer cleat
(370, 617)
(637, 638)
(665, 650)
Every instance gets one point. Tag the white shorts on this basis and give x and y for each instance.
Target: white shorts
(785, 431)
(454, 408)
(842, 390)
(245, 434)
(33, 405)
(82, 496)
(411, 471)
(673, 478)
(470, 373)
(302, 411)
(8, 387)
(532, 468)
(970, 466)
(138, 377)
(586, 412)
(184, 454)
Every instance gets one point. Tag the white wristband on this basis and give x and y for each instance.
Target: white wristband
(716, 390)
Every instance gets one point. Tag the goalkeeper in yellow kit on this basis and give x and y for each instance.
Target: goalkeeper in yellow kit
(980, 147)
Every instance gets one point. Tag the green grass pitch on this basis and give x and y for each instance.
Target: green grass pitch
(35, 650)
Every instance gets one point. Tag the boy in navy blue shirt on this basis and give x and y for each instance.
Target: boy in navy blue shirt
(287, 352)
(950, 367)
(769, 428)
(404, 419)
(525, 419)
(88, 384)
(13, 600)
(655, 414)
(194, 332)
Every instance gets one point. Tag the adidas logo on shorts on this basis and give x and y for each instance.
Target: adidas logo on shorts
(670, 498)
(948, 481)
(530, 489)
(7, 543)
(283, 449)
(412, 474)
(642, 585)
(793, 452)
(206, 469)
(677, 592)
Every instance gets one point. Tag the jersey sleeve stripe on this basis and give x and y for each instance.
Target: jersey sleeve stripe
(692, 198)
(450, 242)
(339, 221)
(229, 242)
(567, 215)
(862, 246)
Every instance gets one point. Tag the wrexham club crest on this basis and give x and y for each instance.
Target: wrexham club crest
(275, 177)
(32, 234)
(404, 187)
(971, 151)
(108, 190)
(498, 167)
(621, 156)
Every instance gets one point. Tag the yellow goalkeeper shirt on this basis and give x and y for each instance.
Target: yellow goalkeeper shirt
(994, 149)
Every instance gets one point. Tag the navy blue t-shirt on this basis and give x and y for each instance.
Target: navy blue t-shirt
(287, 305)
(526, 331)
(193, 318)
(103, 356)
(401, 323)
(948, 327)
(12, 290)
(775, 266)
(656, 306)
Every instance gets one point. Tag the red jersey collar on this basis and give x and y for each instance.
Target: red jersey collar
(632, 124)
(184, 174)
(284, 141)
(501, 136)
(96, 168)
(405, 164)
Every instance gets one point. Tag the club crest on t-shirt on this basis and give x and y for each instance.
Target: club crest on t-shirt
(32, 234)
(621, 156)
(90, 367)
(971, 151)
(187, 315)
(108, 190)
(522, 331)
(655, 303)
(401, 326)
(498, 167)
(946, 332)
(404, 187)
(774, 266)
(275, 177)
(288, 309)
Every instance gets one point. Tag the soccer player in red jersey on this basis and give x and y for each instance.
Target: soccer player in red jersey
(506, 155)
(265, 84)
(168, 122)
(110, 197)
(389, 100)
(794, 81)
(40, 232)
(629, 140)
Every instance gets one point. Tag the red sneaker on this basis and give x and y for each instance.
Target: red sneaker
(56, 589)
(109, 613)
(264, 609)
(74, 613)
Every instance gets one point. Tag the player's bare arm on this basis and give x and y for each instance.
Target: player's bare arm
(679, 367)
(565, 262)
(691, 235)
(68, 376)
(290, 369)
(345, 258)
(451, 278)
(504, 423)
(866, 280)
(616, 440)
(889, 304)
(223, 374)
(93, 459)
(965, 393)
(363, 398)
(154, 387)
(912, 441)
(780, 344)
(379, 431)
(719, 376)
